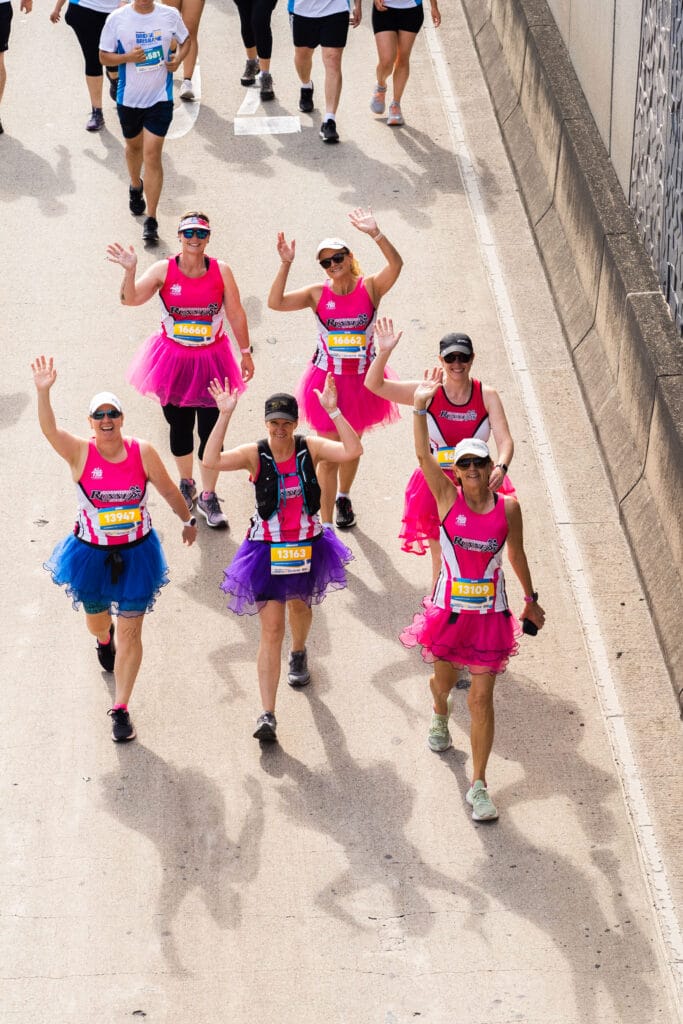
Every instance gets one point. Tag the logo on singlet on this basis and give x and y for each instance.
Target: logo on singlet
(133, 493)
(96, 473)
(458, 417)
(468, 544)
(461, 520)
(292, 492)
(331, 304)
(176, 289)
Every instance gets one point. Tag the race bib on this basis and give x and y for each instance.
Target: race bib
(119, 520)
(346, 346)
(445, 457)
(286, 559)
(472, 595)
(154, 56)
(191, 332)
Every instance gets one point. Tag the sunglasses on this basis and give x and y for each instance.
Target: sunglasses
(338, 257)
(475, 461)
(201, 233)
(457, 357)
(111, 414)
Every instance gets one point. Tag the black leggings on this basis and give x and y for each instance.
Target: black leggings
(87, 25)
(255, 25)
(181, 420)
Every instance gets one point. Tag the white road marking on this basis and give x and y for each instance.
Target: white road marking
(186, 113)
(622, 751)
(267, 125)
(250, 103)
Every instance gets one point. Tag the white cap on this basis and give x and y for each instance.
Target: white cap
(471, 446)
(103, 398)
(331, 243)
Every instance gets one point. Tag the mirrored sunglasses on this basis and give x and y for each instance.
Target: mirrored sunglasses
(201, 233)
(110, 414)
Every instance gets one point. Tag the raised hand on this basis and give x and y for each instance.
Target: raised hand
(44, 373)
(126, 258)
(425, 391)
(364, 221)
(225, 399)
(328, 396)
(286, 251)
(384, 336)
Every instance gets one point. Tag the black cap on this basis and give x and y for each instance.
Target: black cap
(282, 407)
(456, 343)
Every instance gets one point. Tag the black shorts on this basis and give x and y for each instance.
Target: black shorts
(5, 23)
(88, 25)
(156, 119)
(398, 19)
(331, 30)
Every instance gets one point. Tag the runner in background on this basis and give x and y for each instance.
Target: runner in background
(6, 13)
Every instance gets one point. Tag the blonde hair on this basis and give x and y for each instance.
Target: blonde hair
(194, 213)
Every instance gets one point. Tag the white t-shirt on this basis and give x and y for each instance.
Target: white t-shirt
(317, 8)
(150, 82)
(102, 6)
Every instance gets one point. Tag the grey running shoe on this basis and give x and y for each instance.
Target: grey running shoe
(266, 726)
(95, 122)
(298, 674)
(328, 130)
(150, 231)
(211, 510)
(345, 517)
(189, 492)
(306, 100)
(266, 86)
(136, 200)
(395, 117)
(186, 91)
(122, 729)
(251, 70)
(377, 102)
(107, 652)
(483, 807)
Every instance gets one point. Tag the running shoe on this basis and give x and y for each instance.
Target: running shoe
(328, 131)
(186, 91)
(95, 122)
(395, 117)
(306, 100)
(297, 673)
(189, 492)
(122, 729)
(438, 737)
(483, 807)
(136, 199)
(266, 86)
(266, 726)
(345, 518)
(211, 510)
(107, 652)
(113, 85)
(251, 70)
(150, 231)
(378, 98)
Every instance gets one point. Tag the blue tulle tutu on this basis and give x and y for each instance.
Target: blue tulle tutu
(248, 577)
(87, 572)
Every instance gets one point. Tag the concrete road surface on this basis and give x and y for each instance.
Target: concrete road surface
(190, 876)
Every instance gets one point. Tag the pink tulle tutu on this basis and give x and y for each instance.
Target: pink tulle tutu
(421, 522)
(479, 641)
(361, 407)
(181, 374)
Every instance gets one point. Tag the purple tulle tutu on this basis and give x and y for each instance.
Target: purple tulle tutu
(181, 374)
(479, 641)
(86, 570)
(361, 407)
(248, 578)
(421, 522)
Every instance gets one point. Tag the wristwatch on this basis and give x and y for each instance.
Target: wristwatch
(531, 598)
(501, 465)
(247, 351)
(192, 521)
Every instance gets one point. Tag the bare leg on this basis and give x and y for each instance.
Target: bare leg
(185, 465)
(94, 84)
(332, 58)
(152, 146)
(387, 48)
(482, 722)
(441, 684)
(303, 63)
(134, 160)
(435, 552)
(209, 477)
(128, 656)
(300, 618)
(3, 74)
(347, 474)
(402, 64)
(99, 625)
(269, 656)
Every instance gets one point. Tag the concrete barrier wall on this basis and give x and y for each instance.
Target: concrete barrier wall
(625, 347)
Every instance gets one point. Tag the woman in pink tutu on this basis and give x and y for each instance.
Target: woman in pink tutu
(461, 407)
(345, 306)
(467, 621)
(288, 560)
(177, 364)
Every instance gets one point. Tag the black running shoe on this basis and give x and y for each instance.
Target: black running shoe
(107, 652)
(113, 85)
(136, 200)
(298, 674)
(265, 728)
(122, 729)
(306, 100)
(345, 517)
(328, 131)
(2, 130)
(150, 231)
(266, 86)
(251, 70)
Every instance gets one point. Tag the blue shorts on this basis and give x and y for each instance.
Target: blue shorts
(156, 119)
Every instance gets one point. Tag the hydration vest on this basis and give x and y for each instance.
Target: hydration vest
(267, 486)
